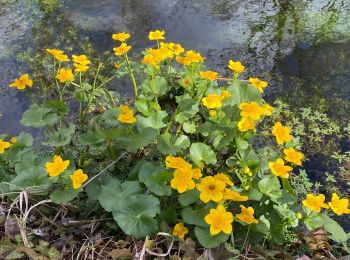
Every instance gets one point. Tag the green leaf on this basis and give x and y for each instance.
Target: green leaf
(207, 240)
(115, 192)
(56, 106)
(313, 221)
(253, 193)
(188, 108)
(31, 177)
(61, 196)
(169, 144)
(189, 127)
(195, 217)
(156, 179)
(155, 120)
(110, 116)
(37, 116)
(135, 215)
(91, 138)
(188, 197)
(201, 152)
(288, 187)
(134, 142)
(243, 92)
(25, 139)
(61, 137)
(155, 87)
(270, 186)
(146, 107)
(168, 215)
(337, 232)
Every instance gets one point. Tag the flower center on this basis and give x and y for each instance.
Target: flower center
(211, 187)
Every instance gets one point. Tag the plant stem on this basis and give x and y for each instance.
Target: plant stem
(131, 75)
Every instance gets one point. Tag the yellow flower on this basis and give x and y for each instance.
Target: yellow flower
(165, 50)
(54, 51)
(58, 55)
(160, 54)
(118, 65)
(122, 49)
(127, 119)
(225, 94)
(209, 75)
(3, 146)
(282, 133)
(127, 115)
(176, 48)
(194, 57)
(78, 178)
(150, 59)
(22, 82)
(196, 173)
(259, 84)
(61, 57)
(247, 215)
(80, 67)
(64, 75)
(236, 66)
(251, 110)
(56, 167)
(212, 101)
(279, 169)
(339, 206)
(315, 203)
(182, 181)
(268, 110)
(219, 220)
(13, 140)
(234, 196)
(211, 189)
(183, 60)
(212, 113)
(178, 163)
(293, 156)
(81, 59)
(246, 124)
(180, 230)
(223, 177)
(156, 35)
(121, 36)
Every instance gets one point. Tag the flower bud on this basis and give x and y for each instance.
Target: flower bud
(299, 215)
(246, 170)
(13, 140)
(212, 113)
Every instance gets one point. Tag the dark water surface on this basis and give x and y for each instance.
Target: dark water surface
(301, 47)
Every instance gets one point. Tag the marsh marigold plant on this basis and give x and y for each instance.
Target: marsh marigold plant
(182, 154)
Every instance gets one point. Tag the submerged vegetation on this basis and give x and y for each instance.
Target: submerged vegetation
(194, 160)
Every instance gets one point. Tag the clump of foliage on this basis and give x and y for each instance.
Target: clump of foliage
(180, 157)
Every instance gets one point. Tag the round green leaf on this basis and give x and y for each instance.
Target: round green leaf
(201, 152)
(61, 196)
(156, 179)
(115, 192)
(37, 116)
(207, 240)
(31, 177)
(135, 215)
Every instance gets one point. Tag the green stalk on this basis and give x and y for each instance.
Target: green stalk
(131, 75)
(80, 107)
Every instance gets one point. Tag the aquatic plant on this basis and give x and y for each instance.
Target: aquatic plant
(195, 169)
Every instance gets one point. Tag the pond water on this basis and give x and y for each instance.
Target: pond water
(301, 47)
